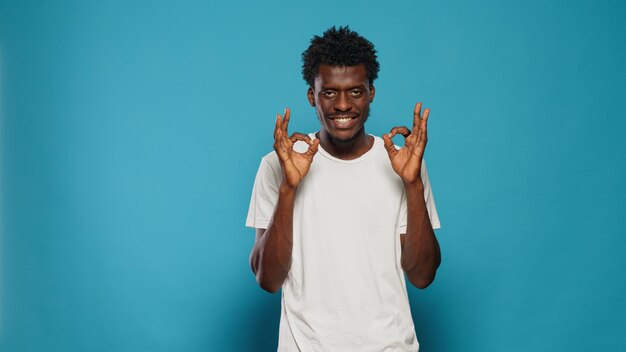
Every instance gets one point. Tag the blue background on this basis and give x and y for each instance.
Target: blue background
(131, 133)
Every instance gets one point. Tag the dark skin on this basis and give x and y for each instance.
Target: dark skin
(341, 97)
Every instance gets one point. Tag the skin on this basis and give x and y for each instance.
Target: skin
(342, 91)
(346, 91)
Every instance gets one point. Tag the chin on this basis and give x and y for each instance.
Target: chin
(344, 138)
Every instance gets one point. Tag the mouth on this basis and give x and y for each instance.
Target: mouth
(343, 121)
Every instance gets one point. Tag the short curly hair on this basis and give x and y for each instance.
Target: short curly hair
(339, 47)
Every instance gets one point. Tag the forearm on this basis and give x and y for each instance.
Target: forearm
(421, 255)
(271, 256)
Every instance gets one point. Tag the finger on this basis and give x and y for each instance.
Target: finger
(284, 143)
(403, 130)
(417, 142)
(279, 145)
(389, 146)
(418, 136)
(313, 148)
(420, 145)
(286, 120)
(277, 126)
(425, 123)
(278, 138)
(416, 115)
(296, 136)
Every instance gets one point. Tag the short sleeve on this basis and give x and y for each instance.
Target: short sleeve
(264, 193)
(429, 200)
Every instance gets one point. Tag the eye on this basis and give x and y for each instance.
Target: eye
(356, 93)
(328, 93)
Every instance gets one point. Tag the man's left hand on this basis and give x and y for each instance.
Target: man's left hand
(407, 161)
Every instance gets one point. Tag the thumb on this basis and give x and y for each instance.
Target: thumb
(391, 149)
(313, 147)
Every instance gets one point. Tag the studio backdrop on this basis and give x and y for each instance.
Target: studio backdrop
(131, 132)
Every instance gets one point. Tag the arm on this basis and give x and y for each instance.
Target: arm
(420, 250)
(421, 255)
(271, 255)
(270, 258)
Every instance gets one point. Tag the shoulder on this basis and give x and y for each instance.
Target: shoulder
(269, 163)
(270, 157)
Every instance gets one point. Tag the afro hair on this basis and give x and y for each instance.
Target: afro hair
(339, 47)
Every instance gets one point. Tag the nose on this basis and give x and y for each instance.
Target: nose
(342, 103)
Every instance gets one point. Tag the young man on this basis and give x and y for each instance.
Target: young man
(341, 214)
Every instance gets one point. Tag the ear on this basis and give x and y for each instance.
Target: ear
(311, 96)
(372, 93)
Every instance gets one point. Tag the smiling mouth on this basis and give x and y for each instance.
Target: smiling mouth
(342, 121)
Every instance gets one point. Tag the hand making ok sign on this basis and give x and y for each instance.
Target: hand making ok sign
(407, 161)
(294, 165)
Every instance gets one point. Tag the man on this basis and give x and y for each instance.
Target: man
(340, 214)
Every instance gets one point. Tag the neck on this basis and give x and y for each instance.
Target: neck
(346, 150)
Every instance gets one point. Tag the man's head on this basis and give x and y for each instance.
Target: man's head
(340, 68)
(339, 47)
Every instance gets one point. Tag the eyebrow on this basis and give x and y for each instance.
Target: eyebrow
(362, 86)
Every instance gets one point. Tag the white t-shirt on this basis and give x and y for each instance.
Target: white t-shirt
(345, 290)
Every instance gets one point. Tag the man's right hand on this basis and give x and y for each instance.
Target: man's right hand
(294, 165)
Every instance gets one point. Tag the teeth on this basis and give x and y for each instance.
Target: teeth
(343, 121)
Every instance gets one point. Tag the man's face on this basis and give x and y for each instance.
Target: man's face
(341, 97)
